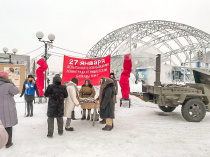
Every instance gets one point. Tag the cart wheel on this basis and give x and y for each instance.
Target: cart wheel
(167, 108)
(194, 110)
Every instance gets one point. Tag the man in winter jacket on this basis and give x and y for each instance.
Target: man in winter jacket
(56, 93)
(8, 112)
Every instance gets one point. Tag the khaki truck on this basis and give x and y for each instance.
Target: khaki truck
(194, 97)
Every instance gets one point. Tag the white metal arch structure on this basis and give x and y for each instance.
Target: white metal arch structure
(170, 38)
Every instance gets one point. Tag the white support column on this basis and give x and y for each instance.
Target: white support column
(190, 67)
(184, 74)
(130, 41)
(206, 68)
(171, 70)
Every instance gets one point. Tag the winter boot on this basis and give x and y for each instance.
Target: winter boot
(73, 116)
(28, 109)
(60, 132)
(9, 142)
(109, 124)
(9, 145)
(84, 114)
(69, 129)
(9, 132)
(107, 128)
(49, 136)
(103, 121)
(88, 117)
(83, 117)
(31, 115)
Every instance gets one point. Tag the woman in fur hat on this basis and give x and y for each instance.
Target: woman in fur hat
(107, 104)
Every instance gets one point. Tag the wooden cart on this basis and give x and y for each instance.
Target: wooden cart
(94, 106)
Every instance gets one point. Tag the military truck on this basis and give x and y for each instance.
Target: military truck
(194, 97)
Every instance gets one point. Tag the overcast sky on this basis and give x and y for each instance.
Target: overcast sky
(79, 24)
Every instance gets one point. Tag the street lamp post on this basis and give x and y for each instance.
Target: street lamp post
(5, 49)
(51, 38)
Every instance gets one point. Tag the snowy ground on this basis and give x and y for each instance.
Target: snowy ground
(142, 130)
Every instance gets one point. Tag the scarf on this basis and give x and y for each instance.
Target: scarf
(5, 80)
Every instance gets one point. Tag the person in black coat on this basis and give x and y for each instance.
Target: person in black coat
(56, 93)
(107, 104)
(112, 76)
(48, 81)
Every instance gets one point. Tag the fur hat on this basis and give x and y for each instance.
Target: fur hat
(108, 81)
(112, 73)
(4, 74)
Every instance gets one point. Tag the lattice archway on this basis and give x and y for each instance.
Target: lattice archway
(170, 38)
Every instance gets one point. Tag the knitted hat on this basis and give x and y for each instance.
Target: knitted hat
(4, 74)
(57, 79)
(30, 76)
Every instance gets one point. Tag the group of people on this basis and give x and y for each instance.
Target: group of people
(62, 101)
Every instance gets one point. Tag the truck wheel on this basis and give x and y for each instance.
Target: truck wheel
(167, 108)
(194, 110)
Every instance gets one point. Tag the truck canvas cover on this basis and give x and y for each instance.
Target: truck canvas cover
(201, 76)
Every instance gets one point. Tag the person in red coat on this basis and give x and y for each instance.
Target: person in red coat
(40, 76)
(124, 78)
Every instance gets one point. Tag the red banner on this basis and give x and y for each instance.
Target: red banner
(82, 69)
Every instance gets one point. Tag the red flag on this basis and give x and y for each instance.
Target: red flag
(83, 69)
